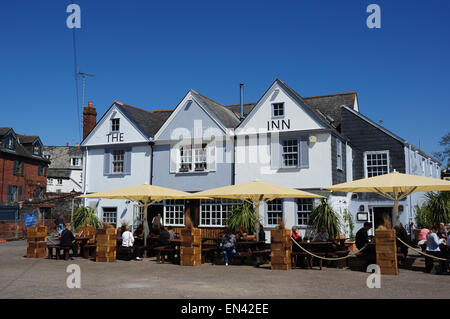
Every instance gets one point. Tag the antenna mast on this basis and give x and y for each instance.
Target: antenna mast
(83, 78)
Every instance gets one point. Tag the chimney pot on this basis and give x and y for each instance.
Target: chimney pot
(67, 144)
(89, 119)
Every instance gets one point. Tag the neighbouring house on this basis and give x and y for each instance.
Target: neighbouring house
(23, 169)
(66, 168)
(305, 143)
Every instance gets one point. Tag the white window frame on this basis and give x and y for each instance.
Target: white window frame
(339, 154)
(37, 149)
(220, 208)
(303, 203)
(118, 161)
(114, 125)
(283, 153)
(109, 218)
(278, 110)
(375, 153)
(192, 157)
(75, 159)
(49, 181)
(58, 183)
(10, 142)
(178, 207)
(268, 211)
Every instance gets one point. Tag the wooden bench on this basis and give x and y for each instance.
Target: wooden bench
(124, 252)
(263, 253)
(208, 252)
(341, 263)
(163, 252)
(58, 251)
(309, 258)
(89, 250)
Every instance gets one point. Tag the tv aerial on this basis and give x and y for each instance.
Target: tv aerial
(83, 79)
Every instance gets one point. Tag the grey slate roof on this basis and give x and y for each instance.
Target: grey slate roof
(149, 123)
(58, 173)
(19, 148)
(226, 116)
(60, 156)
(236, 108)
(331, 104)
(163, 113)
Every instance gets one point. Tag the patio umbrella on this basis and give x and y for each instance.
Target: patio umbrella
(254, 192)
(145, 194)
(394, 186)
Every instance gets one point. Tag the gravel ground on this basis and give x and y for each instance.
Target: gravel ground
(42, 278)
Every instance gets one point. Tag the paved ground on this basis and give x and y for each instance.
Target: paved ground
(42, 278)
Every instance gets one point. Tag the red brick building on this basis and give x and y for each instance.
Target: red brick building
(23, 169)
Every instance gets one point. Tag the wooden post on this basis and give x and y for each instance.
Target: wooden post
(36, 241)
(386, 251)
(280, 249)
(191, 247)
(106, 245)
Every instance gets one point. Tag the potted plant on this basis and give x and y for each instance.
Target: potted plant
(242, 217)
(323, 215)
(85, 215)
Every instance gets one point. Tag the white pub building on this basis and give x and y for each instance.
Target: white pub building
(305, 143)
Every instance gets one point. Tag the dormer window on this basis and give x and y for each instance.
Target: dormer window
(278, 110)
(75, 161)
(37, 149)
(10, 142)
(115, 125)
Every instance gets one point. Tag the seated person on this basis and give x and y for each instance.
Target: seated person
(442, 234)
(262, 234)
(164, 237)
(171, 232)
(228, 246)
(138, 241)
(422, 237)
(433, 249)
(362, 239)
(68, 240)
(322, 235)
(296, 233)
(127, 238)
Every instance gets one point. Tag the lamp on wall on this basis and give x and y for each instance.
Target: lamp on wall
(361, 208)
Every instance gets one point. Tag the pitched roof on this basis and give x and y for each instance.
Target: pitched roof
(236, 108)
(26, 139)
(58, 173)
(330, 105)
(148, 122)
(164, 113)
(386, 131)
(60, 156)
(226, 116)
(19, 148)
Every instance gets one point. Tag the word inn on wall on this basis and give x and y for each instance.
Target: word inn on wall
(115, 137)
(278, 124)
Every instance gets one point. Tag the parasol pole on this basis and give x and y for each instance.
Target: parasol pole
(145, 221)
(396, 199)
(256, 206)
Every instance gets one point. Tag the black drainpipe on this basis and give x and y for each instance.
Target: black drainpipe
(152, 144)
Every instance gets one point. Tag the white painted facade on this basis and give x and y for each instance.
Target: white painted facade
(64, 185)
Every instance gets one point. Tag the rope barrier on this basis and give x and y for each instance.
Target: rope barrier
(421, 252)
(325, 258)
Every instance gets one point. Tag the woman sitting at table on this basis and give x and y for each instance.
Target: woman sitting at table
(296, 234)
(322, 235)
(164, 237)
(68, 240)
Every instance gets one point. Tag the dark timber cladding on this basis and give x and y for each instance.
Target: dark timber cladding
(338, 175)
(363, 137)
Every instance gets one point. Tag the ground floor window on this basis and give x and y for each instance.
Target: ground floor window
(274, 212)
(138, 215)
(304, 208)
(110, 215)
(174, 212)
(215, 212)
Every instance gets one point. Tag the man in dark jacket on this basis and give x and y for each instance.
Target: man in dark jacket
(362, 239)
(164, 237)
(68, 240)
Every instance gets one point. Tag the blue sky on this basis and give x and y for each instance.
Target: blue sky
(149, 53)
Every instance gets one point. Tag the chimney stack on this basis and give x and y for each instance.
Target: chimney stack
(89, 119)
(242, 100)
(67, 144)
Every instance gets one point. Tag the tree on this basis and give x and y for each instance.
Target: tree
(323, 215)
(444, 156)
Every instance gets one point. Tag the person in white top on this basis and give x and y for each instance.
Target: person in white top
(128, 239)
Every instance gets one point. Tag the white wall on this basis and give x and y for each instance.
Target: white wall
(74, 183)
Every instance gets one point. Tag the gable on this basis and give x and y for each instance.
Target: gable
(190, 119)
(297, 115)
(103, 135)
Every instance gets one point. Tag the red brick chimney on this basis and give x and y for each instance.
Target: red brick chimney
(89, 119)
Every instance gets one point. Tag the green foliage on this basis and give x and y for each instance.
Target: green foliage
(444, 155)
(349, 224)
(324, 216)
(85, 214)
(423, 216)
(436, 209)
(242, 216)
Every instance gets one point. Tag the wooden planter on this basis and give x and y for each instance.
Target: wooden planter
(280, 249)
(106, 245)
(386, 251)
(36, 241)
(191, 247)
